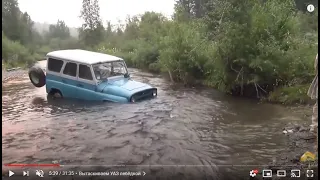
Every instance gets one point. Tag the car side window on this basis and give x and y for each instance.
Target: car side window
(55, 65)
(70, 69)
(85, 72)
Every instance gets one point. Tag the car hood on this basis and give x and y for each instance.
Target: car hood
(126, 84)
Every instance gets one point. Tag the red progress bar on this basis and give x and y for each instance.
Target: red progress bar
(32, 165)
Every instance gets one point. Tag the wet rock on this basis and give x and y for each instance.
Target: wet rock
(303, 129)
(287, 131)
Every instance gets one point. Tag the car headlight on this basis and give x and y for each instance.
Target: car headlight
(154, 93)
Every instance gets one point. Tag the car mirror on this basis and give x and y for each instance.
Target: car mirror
(127, 75)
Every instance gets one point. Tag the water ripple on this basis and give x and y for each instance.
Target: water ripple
(182, 126)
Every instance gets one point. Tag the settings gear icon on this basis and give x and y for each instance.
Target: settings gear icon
(253, 173)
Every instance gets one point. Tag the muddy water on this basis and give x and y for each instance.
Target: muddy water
(197, 129)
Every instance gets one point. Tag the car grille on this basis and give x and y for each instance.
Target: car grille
(143, 94)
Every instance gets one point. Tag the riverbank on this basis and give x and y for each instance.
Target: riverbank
(11, 75)
(295, 95)
(291, 96)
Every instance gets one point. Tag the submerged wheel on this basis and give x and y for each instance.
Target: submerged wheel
(56, 94)
(132, 99)
(37, 76)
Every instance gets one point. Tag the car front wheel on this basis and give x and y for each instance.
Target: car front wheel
(132, 99)
(55, 94)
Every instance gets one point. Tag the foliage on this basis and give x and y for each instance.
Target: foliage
(14, 54)
(290, 95)
(16, 25)
(275, 54)
(189, 9)
(59, 30)
(91, 31)
(184, 52)
(22, 45)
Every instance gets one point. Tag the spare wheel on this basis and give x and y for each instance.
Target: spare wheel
(37, 76)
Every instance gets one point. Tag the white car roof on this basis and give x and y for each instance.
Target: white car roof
(82, 56)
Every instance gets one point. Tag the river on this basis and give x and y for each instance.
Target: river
(184, 130)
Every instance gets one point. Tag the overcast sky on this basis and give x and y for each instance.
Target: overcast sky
(50, 11)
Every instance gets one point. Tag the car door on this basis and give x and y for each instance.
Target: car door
(86, 83)
(70, 80)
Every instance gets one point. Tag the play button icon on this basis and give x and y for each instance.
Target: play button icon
(11, 173)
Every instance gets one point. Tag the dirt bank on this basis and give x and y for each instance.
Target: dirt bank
(16, 73)
(10, 75)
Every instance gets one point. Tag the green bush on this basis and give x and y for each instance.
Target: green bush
(261, 49)
(290, 95)
(14, 54)
(184, 52)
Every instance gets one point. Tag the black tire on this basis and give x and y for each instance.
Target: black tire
(37, 76)
(56, 94)
(132, 99)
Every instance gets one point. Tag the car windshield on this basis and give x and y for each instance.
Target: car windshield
(109, 69)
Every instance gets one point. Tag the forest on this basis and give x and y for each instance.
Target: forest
(261, 49)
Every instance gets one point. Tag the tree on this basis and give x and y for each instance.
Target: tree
(59, 30)
(26, 28)
(17, 26)
(109, 32)
(132, 28)
(189, 9)
(91, 32)
(11, 19)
